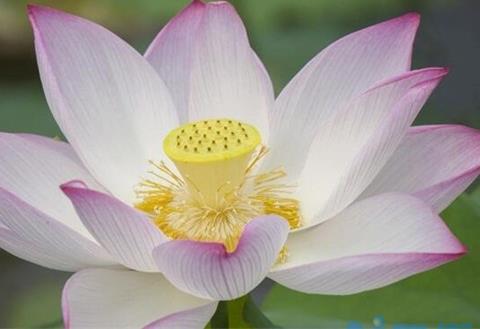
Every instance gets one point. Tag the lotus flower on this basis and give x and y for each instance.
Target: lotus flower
(185, 182)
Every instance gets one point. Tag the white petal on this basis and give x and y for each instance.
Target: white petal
(34, 236)
(126, 233)
(109, 102)
(101, 298)
(172, 52)
(345, 69)
(351, 148)
(435, 163)
(33, 167)
(374, 242)
(227, 79)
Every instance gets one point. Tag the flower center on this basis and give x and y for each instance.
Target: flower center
(216, 193)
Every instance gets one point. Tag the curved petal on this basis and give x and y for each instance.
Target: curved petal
(345, 69)
(374, 242)
(435, 163)
(227, 78)
(126, 233)
(34, 236)
(101, 298)
(109, 102)
(171, 54)
(190, 319)
(350, 150)
(208, 271)
(32, 168)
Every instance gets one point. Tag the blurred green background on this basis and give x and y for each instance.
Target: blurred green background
(285, 34)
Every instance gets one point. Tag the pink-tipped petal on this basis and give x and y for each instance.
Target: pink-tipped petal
(126, 233)
(102, 298)
(207, 270)
(226, 79)
(172, 53)
(342, 71)
(435, 163)
(34, 236)
(373, 243)
(109, 102)
(351, 148)
(32, 167)
(190, 319)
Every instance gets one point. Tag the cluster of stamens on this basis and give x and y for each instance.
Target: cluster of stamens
(195, 204)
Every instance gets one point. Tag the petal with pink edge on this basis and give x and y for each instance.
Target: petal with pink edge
(126, 233)
(34, 236)
(226, 78)
(174, 49)
(32, 168)
(172, 52)
(350, 150)
(102, 298)
(109, 102)
(435, 163)
(372, 243)
(345, 69)
(207, 270)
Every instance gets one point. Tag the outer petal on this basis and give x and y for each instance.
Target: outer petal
(109, 102)
(435, 163)
(172, 53)
(101, 298)
(34, 236)
(351, 148)
(208, 271)
(32, 167)
(342, 71)
(126, 233)
(190, 319)
(371, 244)
(226, 78)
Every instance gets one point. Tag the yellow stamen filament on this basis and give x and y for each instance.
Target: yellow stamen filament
(216, 193)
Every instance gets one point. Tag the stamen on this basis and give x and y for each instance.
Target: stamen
(217, 193)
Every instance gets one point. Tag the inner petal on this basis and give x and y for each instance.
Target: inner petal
(216, 193)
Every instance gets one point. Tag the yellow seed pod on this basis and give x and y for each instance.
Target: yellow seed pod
(212, 155)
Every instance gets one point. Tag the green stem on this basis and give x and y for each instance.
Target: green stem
(235, 313)
(239, 313)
